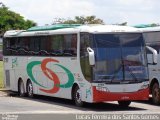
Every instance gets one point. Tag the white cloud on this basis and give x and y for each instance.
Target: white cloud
(111, 11)
(131, 11)
(44, 11)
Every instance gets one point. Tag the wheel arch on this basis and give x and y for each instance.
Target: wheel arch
(73, 88)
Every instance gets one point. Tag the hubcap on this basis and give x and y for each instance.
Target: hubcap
(30, 89)
(78, 96)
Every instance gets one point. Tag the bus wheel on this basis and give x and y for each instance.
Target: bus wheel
(156, 94)
(21, 89)
(29, 89)
(78, 97)
(124, 103)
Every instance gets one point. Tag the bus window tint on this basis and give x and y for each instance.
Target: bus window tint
(118, 56)
(151, 37)
(23, 46)
(84, 59)
(107, 52)
(70, 45)
(10, 46)
(63, 45)
(55, 45)
(153, 40)
(43, 46)
(132, 49)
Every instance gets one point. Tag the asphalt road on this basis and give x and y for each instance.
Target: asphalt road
(48, 108)
(42, 104)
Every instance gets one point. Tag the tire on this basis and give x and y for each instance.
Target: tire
(156, 94)
(77, 96)
(29, 89)
(124, 104)
(21, 89)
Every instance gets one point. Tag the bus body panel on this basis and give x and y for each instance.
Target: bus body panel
(100, 96)
(18, 70)
(152, 39)
(90, 92)
(56, 75)
(154, 70)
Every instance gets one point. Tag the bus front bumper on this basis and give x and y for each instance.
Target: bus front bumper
(101, 96)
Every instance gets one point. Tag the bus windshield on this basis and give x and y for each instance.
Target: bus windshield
(119, 58)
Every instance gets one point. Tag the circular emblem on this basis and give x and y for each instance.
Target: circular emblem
(50, 74)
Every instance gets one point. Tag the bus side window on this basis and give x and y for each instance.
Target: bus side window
(70, 45)
(57, 45)
(63, 45)
(22, 46)
(34, 46)
(43, 48)
(6, 47)
(11, 46)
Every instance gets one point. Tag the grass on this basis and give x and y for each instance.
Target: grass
(1, 74)
(0, 47)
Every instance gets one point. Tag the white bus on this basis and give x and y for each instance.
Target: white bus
(87, 63)
(152, 39)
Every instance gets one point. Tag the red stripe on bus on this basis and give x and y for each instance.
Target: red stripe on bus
(100, 96)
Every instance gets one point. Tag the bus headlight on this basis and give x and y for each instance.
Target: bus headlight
(104, 89)
(144, 86)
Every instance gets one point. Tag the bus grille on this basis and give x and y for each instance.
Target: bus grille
(7, 78)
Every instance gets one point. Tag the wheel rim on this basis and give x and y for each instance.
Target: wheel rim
(30, 89)
(78, 96)
(156, 94)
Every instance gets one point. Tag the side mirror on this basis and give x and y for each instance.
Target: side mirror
(155, 54)
(91, 56)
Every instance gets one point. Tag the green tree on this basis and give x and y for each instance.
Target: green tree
(154, 24)
(80, 20)
(10, 20)
(123, 24)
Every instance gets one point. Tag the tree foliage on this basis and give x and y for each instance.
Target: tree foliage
(154, 24)
(10, 20)
(123, 24)
(80, 20)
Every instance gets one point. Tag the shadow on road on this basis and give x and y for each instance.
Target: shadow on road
(149, 102)
(98, 107)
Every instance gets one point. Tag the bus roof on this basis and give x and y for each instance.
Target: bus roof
(53, 27)
(68, 28)
(142, 26)
(149, 29)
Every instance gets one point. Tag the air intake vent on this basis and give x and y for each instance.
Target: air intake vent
(7, 78)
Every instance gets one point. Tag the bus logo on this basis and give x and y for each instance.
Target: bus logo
(50, 74)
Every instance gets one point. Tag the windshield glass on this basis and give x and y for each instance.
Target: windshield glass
(119, 57)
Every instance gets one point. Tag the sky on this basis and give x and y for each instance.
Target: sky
(110, 11)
